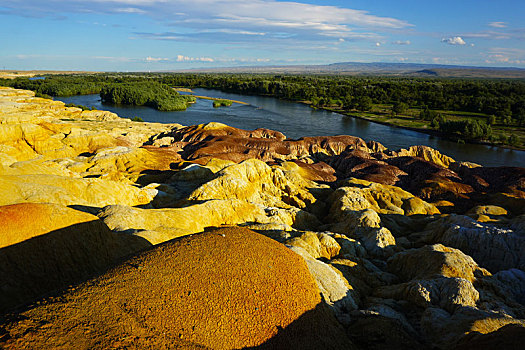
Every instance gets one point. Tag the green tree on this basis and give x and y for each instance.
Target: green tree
(513, 140)
(437, 121)
(424, 113)
(468, 129)
(349, 102)
(399, 107)
(364, 103)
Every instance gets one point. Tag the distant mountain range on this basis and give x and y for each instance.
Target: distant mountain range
(378, 68)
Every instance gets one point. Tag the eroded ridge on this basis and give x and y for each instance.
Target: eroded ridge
(327, 242)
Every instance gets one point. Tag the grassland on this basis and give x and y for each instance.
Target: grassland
(382, 113)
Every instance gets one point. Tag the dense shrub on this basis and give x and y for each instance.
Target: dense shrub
(467, 129)
(399, 107)
(222, 103)
(146, 93)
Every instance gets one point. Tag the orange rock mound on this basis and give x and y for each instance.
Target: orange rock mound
(226, 288)
(46, 247)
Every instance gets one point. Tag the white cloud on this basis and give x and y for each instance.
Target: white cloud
(156, 59)
(491, 35)
(25, 57)
(158, 36)
(242, 60)
(498, 24)
(503, 59)
(182, 58)
(254, 17)
(455, 40)
(233, 31)
(129, 10)
(401, 42)
(506, 55)
(440, 60)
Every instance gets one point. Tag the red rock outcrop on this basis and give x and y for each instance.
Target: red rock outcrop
(215, 140)
(420, 170)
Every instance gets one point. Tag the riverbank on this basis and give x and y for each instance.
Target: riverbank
(220, 99)
(13, 74)
(395, 122)
(178, 89)
(190, 91)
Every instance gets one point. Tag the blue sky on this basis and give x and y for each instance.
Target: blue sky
(141, 35)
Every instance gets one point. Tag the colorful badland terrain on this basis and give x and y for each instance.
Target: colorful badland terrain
(321, 242)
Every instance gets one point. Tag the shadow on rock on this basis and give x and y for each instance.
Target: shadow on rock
(315, 329)
(509, 337)
(50, 262)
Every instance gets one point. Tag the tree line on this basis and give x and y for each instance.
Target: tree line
(501, 101)
(501, 98)
(505, 99)
(117, 89)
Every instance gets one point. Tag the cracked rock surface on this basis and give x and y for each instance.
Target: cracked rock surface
(121, 234)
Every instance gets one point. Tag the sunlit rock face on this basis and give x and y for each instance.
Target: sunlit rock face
(365, 247)
(228, 288)
(47, 247)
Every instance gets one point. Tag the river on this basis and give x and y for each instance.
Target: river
(296, 120)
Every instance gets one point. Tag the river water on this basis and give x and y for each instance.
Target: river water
(296, 120)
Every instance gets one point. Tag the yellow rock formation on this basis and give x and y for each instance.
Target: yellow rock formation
(356, 195)
(428, 154)
(225, 289)
(46, 247)
(82, 190)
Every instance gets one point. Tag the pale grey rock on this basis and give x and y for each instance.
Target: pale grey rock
(443, 329)
(493, 247)
(366, 226)
(434, 260)
(334, 288)
(379, 242)
(387, 311)
(317, 244)
(512, 282)
(349, 246)
(447, 293)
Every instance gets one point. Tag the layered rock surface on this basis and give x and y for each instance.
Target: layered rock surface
(368, 247)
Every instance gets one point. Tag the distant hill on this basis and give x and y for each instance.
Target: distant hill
(378, 68)
(341, 68)
(12, 74)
